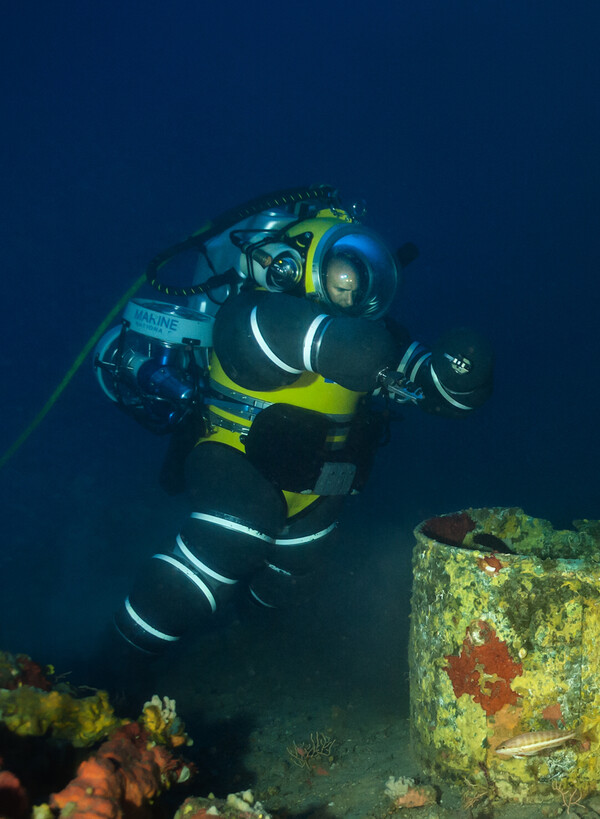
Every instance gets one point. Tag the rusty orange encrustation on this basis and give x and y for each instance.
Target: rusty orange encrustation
(484, 668)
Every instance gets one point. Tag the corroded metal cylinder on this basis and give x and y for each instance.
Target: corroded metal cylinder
(505, 641)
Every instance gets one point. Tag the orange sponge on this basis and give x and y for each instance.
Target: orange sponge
(120, 779)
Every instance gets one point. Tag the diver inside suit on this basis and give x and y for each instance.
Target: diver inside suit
(274, 411)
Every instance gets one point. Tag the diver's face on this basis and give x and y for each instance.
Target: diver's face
(342, 283)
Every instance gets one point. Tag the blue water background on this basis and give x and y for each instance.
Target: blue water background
(470, 128)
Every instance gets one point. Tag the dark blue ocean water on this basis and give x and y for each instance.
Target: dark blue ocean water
(470, 128)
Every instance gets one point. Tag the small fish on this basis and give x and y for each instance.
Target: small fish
(491, 543)
(533, 743)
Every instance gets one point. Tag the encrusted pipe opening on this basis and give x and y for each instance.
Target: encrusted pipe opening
(504, 653)
(511, 531)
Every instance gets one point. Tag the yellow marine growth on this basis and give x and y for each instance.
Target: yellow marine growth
(160, 720)
(30, 711)
(505, 641)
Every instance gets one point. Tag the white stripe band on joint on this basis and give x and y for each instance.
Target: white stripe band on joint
(407, 355)
(189, 555)
(262, 602)
(230, 524)
(309, 338)
(190, 576)
(445, 394)
(296, 541)
(161, 635)
(260, 340)
(418, 365)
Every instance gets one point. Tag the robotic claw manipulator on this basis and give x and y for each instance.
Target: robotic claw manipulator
(262, 370)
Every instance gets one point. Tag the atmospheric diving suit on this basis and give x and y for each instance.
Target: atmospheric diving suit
(274, 395)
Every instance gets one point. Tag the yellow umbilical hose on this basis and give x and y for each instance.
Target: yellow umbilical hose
(323, 193)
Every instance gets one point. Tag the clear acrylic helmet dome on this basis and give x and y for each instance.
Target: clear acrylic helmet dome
(364, 263)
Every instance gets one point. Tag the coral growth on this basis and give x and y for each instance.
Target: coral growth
(14, 803)
(160, 720)
(405, 793)
(235, 806)
(22, 670)
(308, 754)
(121, 778)
(484, 669)
(570, 797)
(126, 773)
(29, 711)
(553, 713)
(490, 564)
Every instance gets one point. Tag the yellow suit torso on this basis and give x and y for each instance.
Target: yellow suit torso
(232, 417)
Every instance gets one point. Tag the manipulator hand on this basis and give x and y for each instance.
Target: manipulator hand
(461, 371)
(451, 379)
(398, 388)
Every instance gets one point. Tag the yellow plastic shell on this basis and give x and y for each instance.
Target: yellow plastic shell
(325, 221)
(309, 391)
